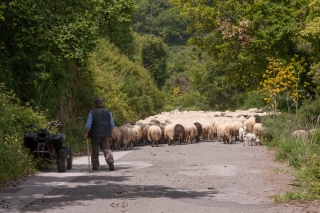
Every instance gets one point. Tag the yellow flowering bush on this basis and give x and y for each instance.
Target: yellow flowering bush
(282, 81)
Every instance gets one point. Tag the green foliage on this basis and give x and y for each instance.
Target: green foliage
(301, 153)
(157, 18)
(129, 89)
(42, 40)
(240, 35)
(308, 41)
(214, 85)
(153, 58)
(310, 111)
(248, 100)
(290, 195)
(15, 161)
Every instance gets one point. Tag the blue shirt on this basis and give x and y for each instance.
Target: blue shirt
(89, 121)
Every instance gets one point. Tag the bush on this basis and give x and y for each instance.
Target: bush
(15, 160)
(303, 154)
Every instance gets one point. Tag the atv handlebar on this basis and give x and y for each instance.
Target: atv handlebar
(53, 123)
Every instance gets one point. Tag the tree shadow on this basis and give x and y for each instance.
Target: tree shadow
(92, 187)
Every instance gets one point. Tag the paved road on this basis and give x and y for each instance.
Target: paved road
(202, 177)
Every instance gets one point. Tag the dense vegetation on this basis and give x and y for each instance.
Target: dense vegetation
(56, 57)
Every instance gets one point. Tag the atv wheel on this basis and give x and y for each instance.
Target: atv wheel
(62, 160)
(70, 157)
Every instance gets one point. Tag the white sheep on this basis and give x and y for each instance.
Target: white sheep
(242, 133)
(300, 133)
(207, 130)
(191, 132)
(169, 133)
(249, 123)
(128, 135)
(225, 132)
(257, 130)
(116, 138)
(144, 129)
(154, 134)
(138, 134)
(250, 139)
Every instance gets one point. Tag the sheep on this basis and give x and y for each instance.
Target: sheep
(128, 134)
(257, 130)
(190, 131)
(236, 127)
(242, 133)
(169, 133)
(144, 129)
(224, 131)
(138, 134)
(250, 139)
(300, 133)
(162, 127)
(250, 122)
(199, 131)
(154, 134)
(154, 122)
(179, 133)
(116, 138)
(207, 130)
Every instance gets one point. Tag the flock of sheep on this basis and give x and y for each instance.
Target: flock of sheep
(191, 126)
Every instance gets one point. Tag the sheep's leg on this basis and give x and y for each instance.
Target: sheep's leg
(152, 143)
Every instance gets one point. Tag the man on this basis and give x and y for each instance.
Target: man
(99, 128)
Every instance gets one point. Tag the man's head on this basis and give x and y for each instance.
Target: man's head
(98, 102)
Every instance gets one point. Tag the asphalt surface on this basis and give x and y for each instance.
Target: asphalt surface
(201, 177)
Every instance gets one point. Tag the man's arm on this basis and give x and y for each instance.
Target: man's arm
(88, 126)
(111, 124)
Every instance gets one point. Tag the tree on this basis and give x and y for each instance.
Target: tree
(156, 17)
(240, 36)
(309, 39)
(154, 58)
(282, 81)
(42, 40)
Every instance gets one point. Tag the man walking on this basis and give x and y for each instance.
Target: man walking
(99, 128)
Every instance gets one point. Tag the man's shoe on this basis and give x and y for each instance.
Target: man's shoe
(111, 167)
(95, 168)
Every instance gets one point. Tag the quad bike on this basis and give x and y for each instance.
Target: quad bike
(48, 147)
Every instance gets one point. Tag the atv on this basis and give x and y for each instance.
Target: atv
(49, 147)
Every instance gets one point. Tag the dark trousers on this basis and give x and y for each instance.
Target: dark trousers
(104, 145)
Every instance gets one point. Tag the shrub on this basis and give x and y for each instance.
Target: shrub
(15, 160)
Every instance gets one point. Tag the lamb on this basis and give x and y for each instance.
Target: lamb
(199, 131)
(179, 133)
(128, 135)
(242, 133)
(169, 133)
(154, 134)
(257, 130)
(250, 139)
